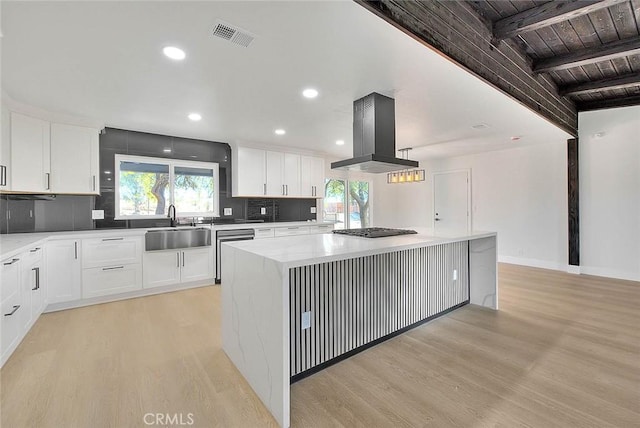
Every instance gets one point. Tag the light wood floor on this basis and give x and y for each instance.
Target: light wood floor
(563, 351)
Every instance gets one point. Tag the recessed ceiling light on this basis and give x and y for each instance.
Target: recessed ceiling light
(280, 131)
(310, 93)
(599, 134)
(516, 137)
(166, 150)
(194, 116)
(174, 53)
(340, 142)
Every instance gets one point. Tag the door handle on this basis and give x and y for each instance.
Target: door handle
(11, 262)
(3, 175)
(48, 180)
(264, 189)
(15, 308)
(183, 259)
(113, 268)
(436, 219)
(178, 257)
(75, 248)
(112, 239)
(37, 271)
(94, 183)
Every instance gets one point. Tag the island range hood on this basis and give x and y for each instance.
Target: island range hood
(374, 137)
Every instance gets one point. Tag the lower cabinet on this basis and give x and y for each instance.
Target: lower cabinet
(11, 306)
(103, 281)
(64, 271)
(32, 293)
(176, 266)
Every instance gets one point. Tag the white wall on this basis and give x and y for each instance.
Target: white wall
(610, 192)
(521, 193)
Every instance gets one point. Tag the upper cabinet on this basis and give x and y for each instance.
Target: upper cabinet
(30, 155)
(45, 157)
(276, 174)
(74, 159)
(312, 177)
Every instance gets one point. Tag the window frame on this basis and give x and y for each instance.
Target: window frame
(347, 199)
(171, 164)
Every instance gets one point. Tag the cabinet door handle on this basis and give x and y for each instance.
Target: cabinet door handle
(37, 271)
(35, 250)
(293, 228)
(15, 308)
(264, 188)
(11, 262)
(112, 239)
(113, 268)
(178, 257)
(75, 248)
(183, 259)
(94, 183)
(48, 180)
(3, 175)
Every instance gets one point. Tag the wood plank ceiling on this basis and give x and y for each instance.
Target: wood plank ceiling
(555, 57)
(591, 49)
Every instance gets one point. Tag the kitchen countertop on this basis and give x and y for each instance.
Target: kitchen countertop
(292, 251)
(15, 243)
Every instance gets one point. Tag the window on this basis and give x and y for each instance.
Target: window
(350, 210)
(145, 187)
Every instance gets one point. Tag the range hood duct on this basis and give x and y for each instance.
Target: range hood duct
(374, 137)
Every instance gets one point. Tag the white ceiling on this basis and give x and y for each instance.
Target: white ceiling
(104, 61)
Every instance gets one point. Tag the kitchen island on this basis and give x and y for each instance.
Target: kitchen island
(293, 305)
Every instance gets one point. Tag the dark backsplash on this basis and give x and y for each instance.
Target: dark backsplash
(65, 212)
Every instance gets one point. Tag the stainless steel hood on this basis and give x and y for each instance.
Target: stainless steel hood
(374, 137)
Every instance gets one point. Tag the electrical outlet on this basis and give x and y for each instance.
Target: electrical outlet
(306, 320)
(228, 211)
(314, 210)
(455, 274)
(263, 211)
(97, 214)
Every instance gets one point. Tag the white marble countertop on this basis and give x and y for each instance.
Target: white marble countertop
(269, 225)
(302, 250)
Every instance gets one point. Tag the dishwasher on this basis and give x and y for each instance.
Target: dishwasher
(228, 236)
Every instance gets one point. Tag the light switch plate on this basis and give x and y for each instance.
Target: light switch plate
(306, 320)
(314, 210)
(263, 211)
(228, 211)
(97, 214)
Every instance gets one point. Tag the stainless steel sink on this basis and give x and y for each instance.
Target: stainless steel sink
(168, 239)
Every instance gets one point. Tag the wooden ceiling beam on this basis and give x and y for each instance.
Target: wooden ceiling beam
(610, 83)
(633, 100)
(546, 14)
(608, 51)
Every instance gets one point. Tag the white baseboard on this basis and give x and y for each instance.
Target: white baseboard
(576, 270)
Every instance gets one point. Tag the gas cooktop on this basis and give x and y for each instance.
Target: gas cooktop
(374, 232)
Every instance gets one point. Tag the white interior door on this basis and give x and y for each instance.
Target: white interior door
(451, 202)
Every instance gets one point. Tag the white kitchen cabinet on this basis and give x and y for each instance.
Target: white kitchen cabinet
(30, 154)
(283, 174)
(291, 174)
(321, 228)
(111, 251)
(197, 264)
(161, 268)
(249, 172)
(5, 149)
(177, 266)
(74, 159)
(291, 230)
(11, 307)
(312, 177)
(63, 271)
(32, 293)
(266, 232)
(103, 281)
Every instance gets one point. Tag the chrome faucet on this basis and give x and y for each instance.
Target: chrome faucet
(172, 217)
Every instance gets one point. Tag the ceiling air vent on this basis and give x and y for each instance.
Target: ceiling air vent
(234, 34)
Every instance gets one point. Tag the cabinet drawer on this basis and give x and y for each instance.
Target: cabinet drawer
(292, 230)
(264, 233)
(33, 255)
(321, 228)
(110, 251)
(10, 279)
(103, 281)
